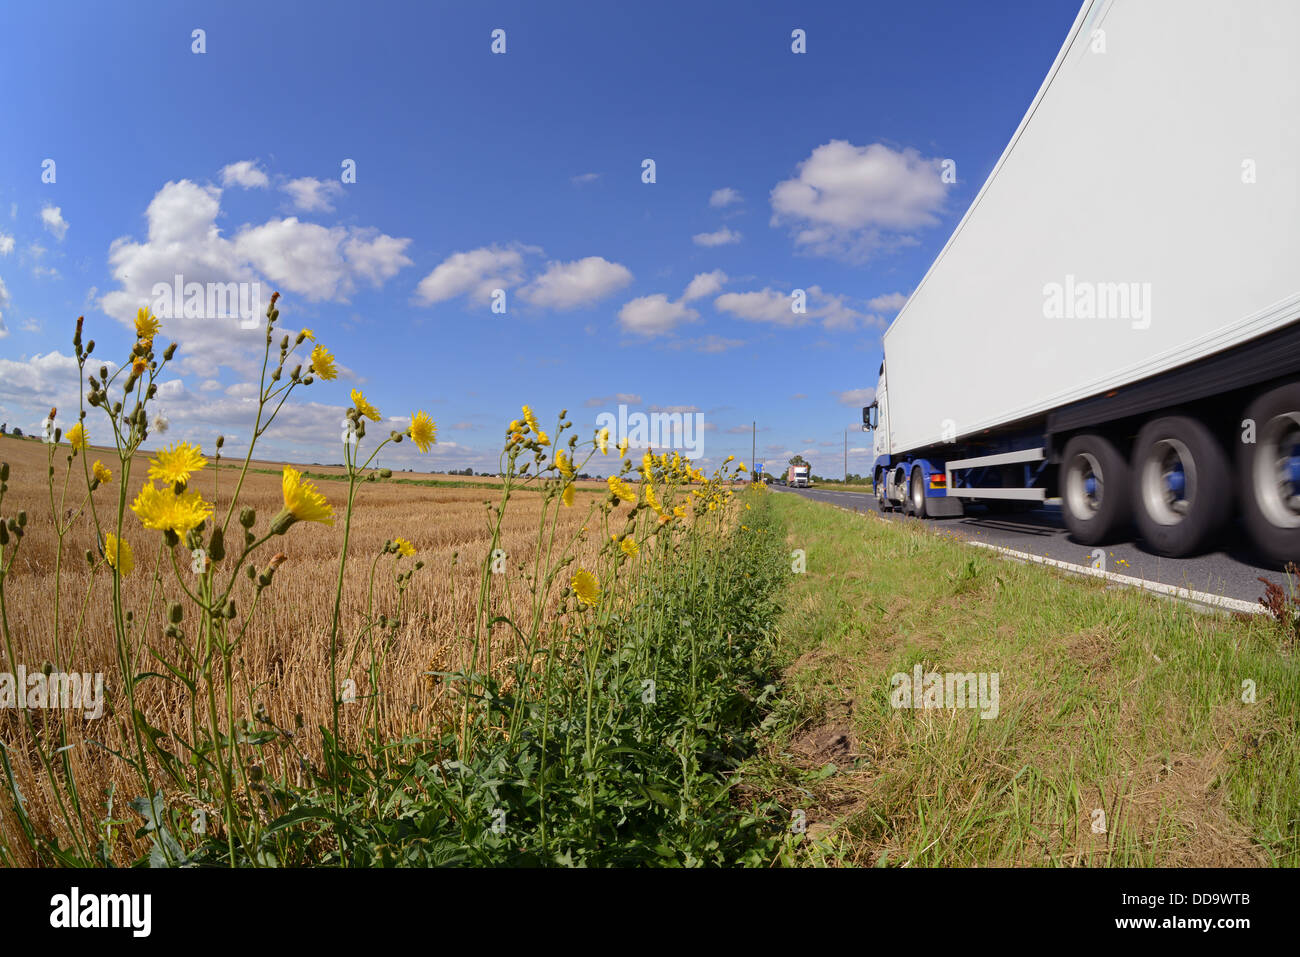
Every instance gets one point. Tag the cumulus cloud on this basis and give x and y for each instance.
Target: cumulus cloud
(704, 284)
(583, 178)
(311, 195)
(836, 312)
(889, 302)
(53, 221)
(722, 237)
(850, 201)
(724, 197)
(474, 273)
(6, 244)
(855, 397)
(246, 174)
(574, 284)
(183, 239)
(654, 315)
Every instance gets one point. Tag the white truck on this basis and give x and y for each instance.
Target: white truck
(797, 476)
(1114, 319)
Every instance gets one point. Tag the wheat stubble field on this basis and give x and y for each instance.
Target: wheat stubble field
(284, 658)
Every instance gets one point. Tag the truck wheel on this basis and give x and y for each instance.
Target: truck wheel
(882, 503)
(1181, 483)
(1270, 474)
(1094, 489)
(916, 493)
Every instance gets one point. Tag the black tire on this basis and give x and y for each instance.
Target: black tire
(882, 503)
(1270, 511)
(916, 493)
(1101, 515)
(1185, 522)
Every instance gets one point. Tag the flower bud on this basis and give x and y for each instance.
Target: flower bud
(175, 613)
(90, 347)
(217, 545)
(251, 572)
(229, 610)
(4, 534)
(4, 471)
(22, 519)
(169, 351)
(247, 516)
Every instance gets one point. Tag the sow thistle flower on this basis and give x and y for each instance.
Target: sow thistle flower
(563, 464)
(77, 437)
(101, 472)
(404, 548)
(363, 407)
(622, 447)
(176, 463)
(146, 325)
(302, 503)
(629, 547)
(602, 441)
(567, 496)
(586, 587)
(322, 363)
(119, 555)
(531, 419)
(621, 489)
(162, 509)
(423, 431)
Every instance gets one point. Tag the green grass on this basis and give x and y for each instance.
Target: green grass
(1109, 699)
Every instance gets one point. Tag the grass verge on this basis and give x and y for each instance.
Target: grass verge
(1130, 731)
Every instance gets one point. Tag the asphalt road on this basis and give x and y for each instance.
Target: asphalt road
(1233, 571)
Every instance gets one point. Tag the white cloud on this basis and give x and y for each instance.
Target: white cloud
(722, 237)
(849, 201)
(31, 325)
(6, 244)
(704, 284)
(4, 304)
(710, 344)
(856, 397)
(246, 174)
(889, 302)
(474, 273)
(52, 219)
(767, 305)
(724, 197)
(183, 239)
(574, 284)
(654, 315)
(584, 178)
(210, 385)
(310, 194)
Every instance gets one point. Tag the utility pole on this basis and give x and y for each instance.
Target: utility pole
(753, 444)
(846, 456)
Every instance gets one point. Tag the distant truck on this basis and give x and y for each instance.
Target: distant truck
(1116, 318)
(797, 477)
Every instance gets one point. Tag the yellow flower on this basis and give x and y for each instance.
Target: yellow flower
(404, 548)
(647, 464)
(139, 367)
(542, 437)
(680, 511)
(531, 419)
(622, 447)
(602, 441)
(162, 509)
(77, 437)
(146, 326)
(620, 488)
(322, 363)
(101, 472)
(563, 464)
(423, 431)
(308, 334)
(650, 498)
(567, 495)
(586, 586)
(629, 547)
(177, 463)
(302, 503)
(741, 467)
(119, 555)
(363, 407)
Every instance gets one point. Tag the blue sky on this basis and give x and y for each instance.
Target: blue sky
(523, 171)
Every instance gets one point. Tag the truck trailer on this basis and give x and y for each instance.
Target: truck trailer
(797, 476)
(1114, 320)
